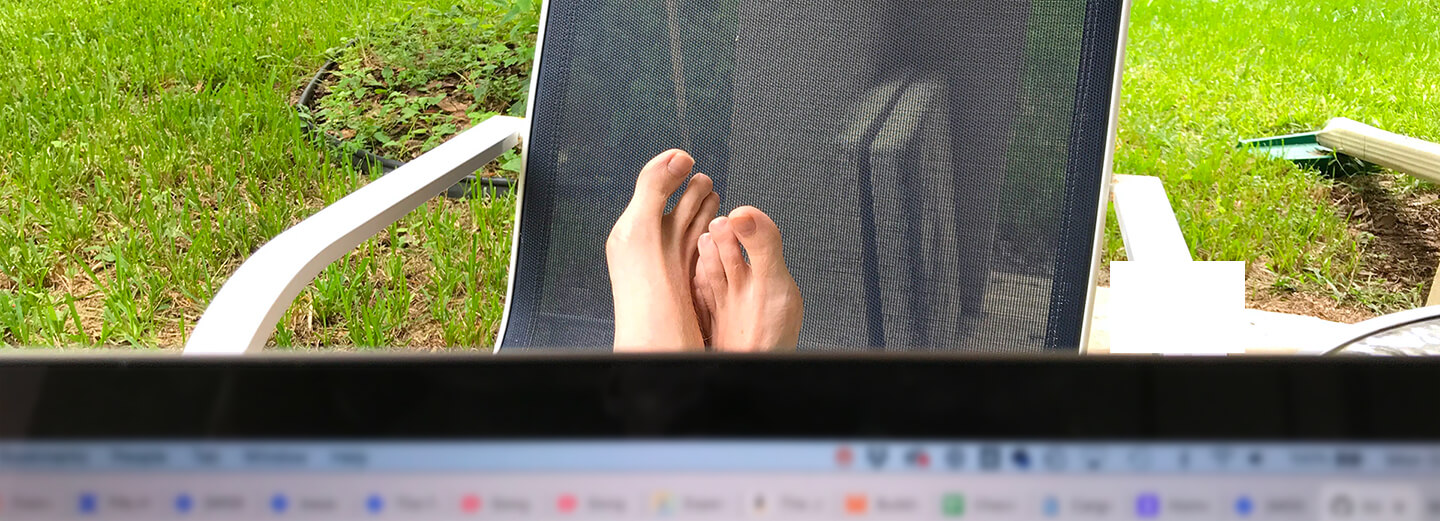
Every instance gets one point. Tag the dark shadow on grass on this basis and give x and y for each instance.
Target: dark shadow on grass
(1405, 228)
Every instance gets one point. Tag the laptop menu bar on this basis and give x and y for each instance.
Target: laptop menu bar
(843, 456)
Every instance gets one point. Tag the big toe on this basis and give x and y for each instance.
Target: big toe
(660, 178)
(761, 238)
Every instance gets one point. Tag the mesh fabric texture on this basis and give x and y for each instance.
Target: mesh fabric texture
(934, 165)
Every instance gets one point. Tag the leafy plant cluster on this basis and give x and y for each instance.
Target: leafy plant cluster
(406, 87)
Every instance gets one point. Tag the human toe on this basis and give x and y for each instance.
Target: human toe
(761, 238)
(730, 254)
(659, 178)
(711, 270)
(688, 208)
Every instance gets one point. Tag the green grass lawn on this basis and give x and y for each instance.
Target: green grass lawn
(147, 146)
(1202, 74)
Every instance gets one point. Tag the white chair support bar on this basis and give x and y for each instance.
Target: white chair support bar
(1147, 222)
(244, 312)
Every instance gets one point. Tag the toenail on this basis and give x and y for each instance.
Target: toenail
(674, 166)
(744, 225)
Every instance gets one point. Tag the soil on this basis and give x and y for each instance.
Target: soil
(1303, 303)
(1405, 245)
(1402, 253)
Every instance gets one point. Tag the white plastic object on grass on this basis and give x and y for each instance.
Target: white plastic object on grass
(1403, 154)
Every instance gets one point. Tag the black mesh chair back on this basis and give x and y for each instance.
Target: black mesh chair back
(935, 166)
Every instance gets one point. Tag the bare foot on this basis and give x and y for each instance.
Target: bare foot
(754, 306)
(652, 255)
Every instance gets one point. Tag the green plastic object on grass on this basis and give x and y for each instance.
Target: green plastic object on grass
(1302, 149)
(1348, 145)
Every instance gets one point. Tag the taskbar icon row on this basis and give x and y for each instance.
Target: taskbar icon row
(1330, 503)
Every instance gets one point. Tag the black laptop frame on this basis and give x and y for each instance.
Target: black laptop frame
(719, 397)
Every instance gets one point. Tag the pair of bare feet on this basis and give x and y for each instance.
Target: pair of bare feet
(681, 281)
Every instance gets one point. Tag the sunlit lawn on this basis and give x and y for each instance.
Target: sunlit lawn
(147, 147)
(1202, 74)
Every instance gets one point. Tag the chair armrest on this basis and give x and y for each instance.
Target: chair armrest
(244, 312)
(1147, 223)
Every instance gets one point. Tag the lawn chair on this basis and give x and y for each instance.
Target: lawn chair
(938, 168)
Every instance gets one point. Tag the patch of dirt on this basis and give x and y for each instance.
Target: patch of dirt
(1405, 247)
(1401, 254)
(1304, 303)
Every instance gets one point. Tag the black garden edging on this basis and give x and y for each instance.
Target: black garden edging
(366, 161)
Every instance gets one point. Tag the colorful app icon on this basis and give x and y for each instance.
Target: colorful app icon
(1050, 506)
(566, 503)
(1244, 506)
(916, 457)
(470, 503)
(88, 503)
(1147, 505)
(1020, 459)
(856, 504)
(662, 503)
(953, 504)
(374, 504)
(279, 503)
(844, 456)
(184, 503)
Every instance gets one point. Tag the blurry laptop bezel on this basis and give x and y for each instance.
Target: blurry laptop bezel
(720, 397)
